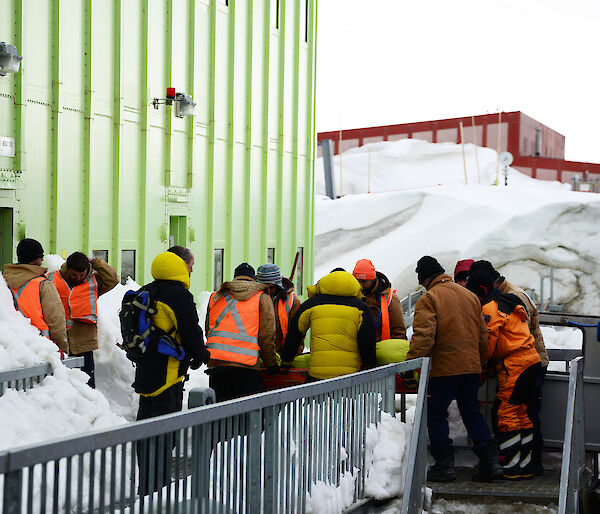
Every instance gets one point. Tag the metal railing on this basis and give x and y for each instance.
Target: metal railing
(261, 453)
(26, 378)
(408, 305)
(573, 456)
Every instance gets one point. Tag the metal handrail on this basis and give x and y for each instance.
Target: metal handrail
(408, 305)
(26, 378)
(257, 454)
(573, 455)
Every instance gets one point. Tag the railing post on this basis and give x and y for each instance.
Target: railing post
(13, 491)
(253, 467)
(270, 449)
(389, 405)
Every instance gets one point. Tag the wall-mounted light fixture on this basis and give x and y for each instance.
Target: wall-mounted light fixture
(184, 105)
(10, 60)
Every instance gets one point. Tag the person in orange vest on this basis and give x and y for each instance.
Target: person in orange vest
(80, 281)
(285, 302)
(382, 300)
(240, 330)
(35, 296)
(511, 350)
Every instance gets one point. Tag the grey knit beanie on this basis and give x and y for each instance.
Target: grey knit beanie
(269, 274)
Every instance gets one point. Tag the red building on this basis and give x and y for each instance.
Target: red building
(538, 151)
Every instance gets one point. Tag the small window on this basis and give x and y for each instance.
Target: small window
(127, 265)
(270, 255)
(306, 21)
(177, 228)
(219, 254)
(100, 254)
(300, 271)
(277, 9)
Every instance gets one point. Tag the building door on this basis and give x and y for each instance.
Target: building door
(6, 235)
(177, 228)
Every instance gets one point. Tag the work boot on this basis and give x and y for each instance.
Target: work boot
(510, 454)
(536, 462)
(489, 465)
(443, 470)
(526, 461)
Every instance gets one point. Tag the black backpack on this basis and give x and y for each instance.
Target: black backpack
(141, 338)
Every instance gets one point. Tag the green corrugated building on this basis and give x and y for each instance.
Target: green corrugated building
(95, 167)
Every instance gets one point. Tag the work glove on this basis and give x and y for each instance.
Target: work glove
(410, 380)
(284, 369)
(273, 370)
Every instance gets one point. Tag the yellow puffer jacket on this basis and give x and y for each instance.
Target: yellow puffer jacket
(342, 328)
(176, 314)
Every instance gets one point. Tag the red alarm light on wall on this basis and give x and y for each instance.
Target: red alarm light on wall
(171, 93)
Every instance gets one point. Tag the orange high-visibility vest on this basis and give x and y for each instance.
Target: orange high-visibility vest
(29, 303)
(385, 315)
(81, 302)
(233, 329)
(283, 311)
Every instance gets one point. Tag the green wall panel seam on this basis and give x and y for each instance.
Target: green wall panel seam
(20, 163)
(248, 131)
(293, 193)
(311, 139)
(55, 88)
(117, 138)
(87, 128)
(143, 152)
(189, 90)
(265, 102)
(281, 135)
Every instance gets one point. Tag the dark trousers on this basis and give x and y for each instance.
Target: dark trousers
(534, 407)
(154, 454)
(463, 389)
(230, 382)
(88, 367)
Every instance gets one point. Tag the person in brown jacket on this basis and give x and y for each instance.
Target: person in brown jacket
(449, 328)
(382, 300)
(240, 329)
(80, 281)
(534, 407)
(43, 307)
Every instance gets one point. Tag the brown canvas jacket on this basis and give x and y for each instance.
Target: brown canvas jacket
(373, 300)
(534, 319)
(243, 288)
(449, 327)
(52, 308)
(83, 337)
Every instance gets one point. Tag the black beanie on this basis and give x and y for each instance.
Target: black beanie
(29, 250)
(244, 270)
(428, 267)
(485, 266)
(480, 282)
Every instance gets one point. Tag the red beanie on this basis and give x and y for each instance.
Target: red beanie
(463, 266)
(364, 270)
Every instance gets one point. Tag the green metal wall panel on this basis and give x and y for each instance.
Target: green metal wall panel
(98, 168)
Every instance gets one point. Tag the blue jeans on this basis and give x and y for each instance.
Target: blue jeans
(463, 389)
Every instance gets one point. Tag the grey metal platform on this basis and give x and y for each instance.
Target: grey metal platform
(539, 490)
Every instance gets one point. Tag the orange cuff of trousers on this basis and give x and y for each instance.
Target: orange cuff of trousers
(510, 416)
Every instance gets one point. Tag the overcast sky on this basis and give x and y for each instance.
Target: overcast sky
(395, 61)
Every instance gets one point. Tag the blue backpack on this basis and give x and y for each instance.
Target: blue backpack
(141, 337)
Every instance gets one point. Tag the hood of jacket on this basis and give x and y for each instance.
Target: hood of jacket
(168, 266)
(241, 288)
(507, 303)
(17, 274)
(338, 283)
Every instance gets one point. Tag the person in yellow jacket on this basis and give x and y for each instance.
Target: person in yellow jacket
(35, 296)
(342, 329)
(159, 378)
(240, 331)
(80, 281)
(511, 350)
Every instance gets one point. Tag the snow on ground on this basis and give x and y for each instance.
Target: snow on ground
(523, 229)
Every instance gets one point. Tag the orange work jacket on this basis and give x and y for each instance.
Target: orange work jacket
(233, 329)
(283, 311)
(386, 299)
(29, 303)
(80, 302)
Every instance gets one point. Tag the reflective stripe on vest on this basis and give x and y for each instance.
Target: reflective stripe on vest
(29, 303)
(80, 302)
(227, 315)
(386, 300)
(283, 311)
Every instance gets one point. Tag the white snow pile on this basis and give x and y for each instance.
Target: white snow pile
(61, 405)
(385, 451)
(523, 229)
